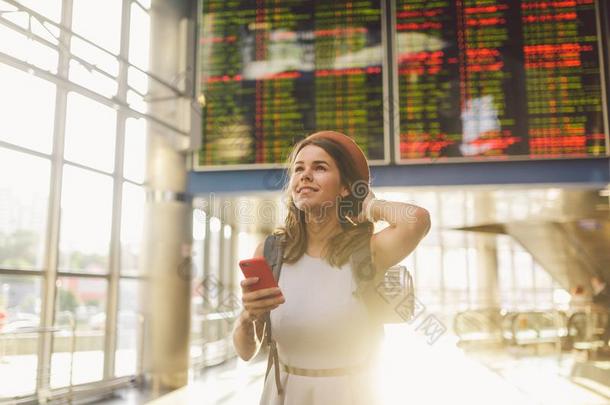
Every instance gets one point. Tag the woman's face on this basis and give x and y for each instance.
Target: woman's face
(315, 181)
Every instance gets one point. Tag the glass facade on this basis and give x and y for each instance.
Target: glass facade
(71, 215)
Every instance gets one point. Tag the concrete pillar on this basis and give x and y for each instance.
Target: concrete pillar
(168, 218)
(487, 292)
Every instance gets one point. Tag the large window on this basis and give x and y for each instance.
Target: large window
(78, 344)
(132, 223)
(19, 317)
(134, 160)
(23, 209)
(86, 217)
(91, 78)
(139, 49)
(523, 283)
(99, 22)
(88, 144)
(428, 274)
(21, 94)
(71, 216)
(455, 277)
(50, 9)
(215, 289)
(130, 324)
(20, 46)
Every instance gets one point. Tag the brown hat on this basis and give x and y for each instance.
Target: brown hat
(350, 147)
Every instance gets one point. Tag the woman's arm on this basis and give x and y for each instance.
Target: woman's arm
(248, 328)
(245, 341)
(408, 226)
(248, 337)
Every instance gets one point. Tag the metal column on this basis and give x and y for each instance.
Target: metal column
(168, 217)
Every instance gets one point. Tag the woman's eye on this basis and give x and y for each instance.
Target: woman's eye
(321, 168)
(298, 169)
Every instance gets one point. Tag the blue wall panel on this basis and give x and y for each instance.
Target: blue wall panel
(593, 172)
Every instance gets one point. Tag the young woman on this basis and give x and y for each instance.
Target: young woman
(325, 338)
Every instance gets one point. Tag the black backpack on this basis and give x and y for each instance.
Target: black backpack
(389, 295)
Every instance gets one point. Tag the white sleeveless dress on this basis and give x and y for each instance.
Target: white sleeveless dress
(322, 325)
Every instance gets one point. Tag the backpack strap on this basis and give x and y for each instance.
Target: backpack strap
(273, 252)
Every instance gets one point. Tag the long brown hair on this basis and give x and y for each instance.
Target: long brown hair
(294, 231)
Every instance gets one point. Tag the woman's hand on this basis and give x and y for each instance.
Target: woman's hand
(363, 215)
(257, 303)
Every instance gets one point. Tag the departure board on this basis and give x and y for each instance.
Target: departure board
(499, 80)
(273, 71)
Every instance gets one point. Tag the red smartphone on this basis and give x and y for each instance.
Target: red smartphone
(258, 267)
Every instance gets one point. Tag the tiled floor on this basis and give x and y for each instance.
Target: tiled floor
(544, 379)
(128, 396)
(240, 385)
(414, 372)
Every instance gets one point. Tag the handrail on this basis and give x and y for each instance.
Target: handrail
(537, 322)
(594, 321)
(221, 341)
(69, 393)
(40, 330)
(30, 330)
(483, 324)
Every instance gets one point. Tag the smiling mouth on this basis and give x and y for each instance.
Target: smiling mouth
(299, 190)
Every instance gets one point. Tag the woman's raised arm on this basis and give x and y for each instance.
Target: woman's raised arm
(408, 225)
